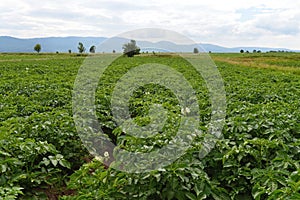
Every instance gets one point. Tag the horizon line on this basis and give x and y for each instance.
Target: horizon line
(198, 43)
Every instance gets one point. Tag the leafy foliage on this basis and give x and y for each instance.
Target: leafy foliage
(81, 48)
(38, 48)
(41, 154)
(195, 50)
(93, 49)
(256, 158)
(130, 49)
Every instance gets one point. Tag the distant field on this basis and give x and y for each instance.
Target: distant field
(277, 61)
(42, 157)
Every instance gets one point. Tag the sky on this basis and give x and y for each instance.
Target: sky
(231, 23)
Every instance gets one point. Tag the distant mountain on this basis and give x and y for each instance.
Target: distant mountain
(63, 44)
(49, 44)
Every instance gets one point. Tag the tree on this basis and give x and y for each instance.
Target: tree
(37, 48)
(196, 50)
(254, 51)
(130, 49)
(114, 51)
(241, 51)
(93, 49)
(81, 48)
(70, 51)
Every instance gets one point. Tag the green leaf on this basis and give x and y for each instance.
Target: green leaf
(45, 161)
(197, 189)
(3, 168)
(258, 191)
(65, 163)
(53, 160)
(4, 153)
(191, 196)
(219, 194)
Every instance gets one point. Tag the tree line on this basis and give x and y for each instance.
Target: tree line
(129, 49)
(80, 47)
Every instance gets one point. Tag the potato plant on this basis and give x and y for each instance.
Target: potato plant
(42, 157)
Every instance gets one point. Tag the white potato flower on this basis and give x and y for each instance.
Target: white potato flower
(99, 158)
(106, 154)
(185, 111)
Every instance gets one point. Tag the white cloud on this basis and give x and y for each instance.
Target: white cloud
(230, 23)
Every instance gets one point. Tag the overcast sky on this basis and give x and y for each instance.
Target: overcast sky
(268, 23)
